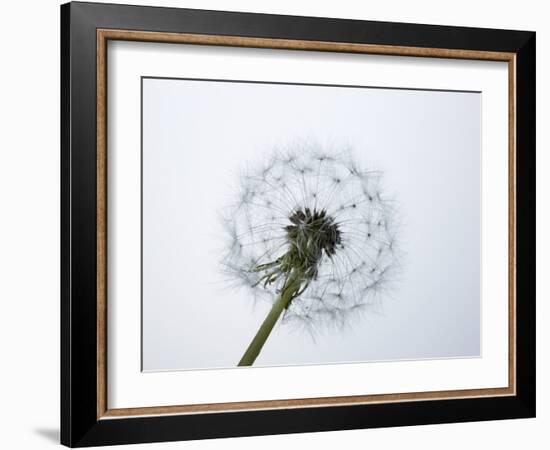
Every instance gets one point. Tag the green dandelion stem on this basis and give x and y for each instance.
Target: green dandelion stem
(290, 291)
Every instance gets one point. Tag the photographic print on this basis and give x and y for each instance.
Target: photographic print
(294, 224)
(280, 224)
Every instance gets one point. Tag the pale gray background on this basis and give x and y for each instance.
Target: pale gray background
(198, 136)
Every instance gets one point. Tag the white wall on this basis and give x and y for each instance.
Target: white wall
(29, 242)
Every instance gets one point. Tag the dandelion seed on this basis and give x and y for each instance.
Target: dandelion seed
(302, 236)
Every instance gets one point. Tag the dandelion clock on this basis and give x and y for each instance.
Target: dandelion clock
(312, 232)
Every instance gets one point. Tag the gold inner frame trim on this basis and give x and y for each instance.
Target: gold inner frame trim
(104, 35)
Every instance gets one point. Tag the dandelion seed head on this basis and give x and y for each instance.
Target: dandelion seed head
(320, 215)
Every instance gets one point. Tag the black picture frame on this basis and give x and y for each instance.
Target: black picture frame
(80, 425)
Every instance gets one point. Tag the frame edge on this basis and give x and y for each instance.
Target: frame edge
(65, 257)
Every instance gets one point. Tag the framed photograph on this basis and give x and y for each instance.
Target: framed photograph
(277, 224)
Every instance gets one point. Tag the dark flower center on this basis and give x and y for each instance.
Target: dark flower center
(310, 233)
